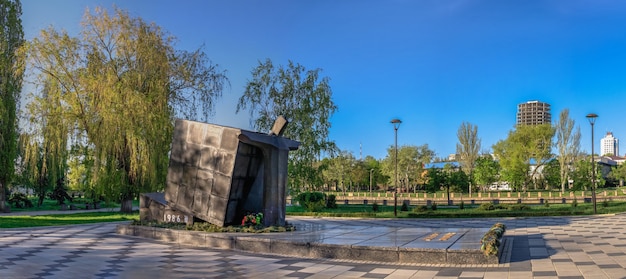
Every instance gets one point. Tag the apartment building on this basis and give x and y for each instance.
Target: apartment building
(533, 113)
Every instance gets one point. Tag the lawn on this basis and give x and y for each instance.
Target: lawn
(64, 219)
(502, 210)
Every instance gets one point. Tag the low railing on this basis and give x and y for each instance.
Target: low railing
(386, 198)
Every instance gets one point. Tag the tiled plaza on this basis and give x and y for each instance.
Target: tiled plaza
(541, 247)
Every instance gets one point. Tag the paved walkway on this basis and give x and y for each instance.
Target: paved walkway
(543, 247)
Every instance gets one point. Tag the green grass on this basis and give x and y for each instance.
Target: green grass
(467, 212)
(65, 219)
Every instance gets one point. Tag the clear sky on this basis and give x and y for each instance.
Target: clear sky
(432, 63)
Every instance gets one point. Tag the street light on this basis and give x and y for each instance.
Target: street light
(371, 181)
(396, 124)
(592, 120)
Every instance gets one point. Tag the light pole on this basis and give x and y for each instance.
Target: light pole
(396, 124)
(371, 182)
(592, 120)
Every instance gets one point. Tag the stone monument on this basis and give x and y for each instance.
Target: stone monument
(219, 174)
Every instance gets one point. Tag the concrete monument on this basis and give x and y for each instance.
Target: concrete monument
(218, 174)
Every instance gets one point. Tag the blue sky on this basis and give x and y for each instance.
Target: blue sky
(432, 63)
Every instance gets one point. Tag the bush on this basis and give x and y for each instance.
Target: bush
(312, 201)
(331, 202)
(375, 207)
(605, 203)
(518, 207)
(487, 206)
(546, 203)
(462, 205)
(434, 206)
(574, 202)
(420, 208)
(404, 207)
(20, 200)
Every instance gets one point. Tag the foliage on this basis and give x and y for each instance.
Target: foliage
(118, 86)
(618, 173)
(574, 203)
(468, 147)
(420, 208)
(486, 171)
(252, 219)
(375, 207)
(59, 193)
(518, 207)
(433, 207)
(11, 74)
(490, 242)
(331, 201)
(404, 207)
(582, 175)
(568, 145)
(65, 219)
(303, 98)
(20, 200)
(411, 161)
(526, 145)
(462, 205)
(552, 173)
(312, 201)
(487, 206)
(436, 179)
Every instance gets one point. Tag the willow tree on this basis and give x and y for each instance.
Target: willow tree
(301, 96)
(468, 148)
(568, 145)
(11, 70)
(119, 84)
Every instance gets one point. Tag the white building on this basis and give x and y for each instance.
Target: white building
(609, 145)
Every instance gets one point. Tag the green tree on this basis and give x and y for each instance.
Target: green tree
(119, 85)
(568, 145)
(618, 173)
(436, 180)
(582, 175)
(552, 173)
(486, 172)
(468, 148)
(525, 146)
(339, 171)
(411, 161)
(302, 97)
(11, 73)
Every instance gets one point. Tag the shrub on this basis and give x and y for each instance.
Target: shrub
(434, 206)
(574, 202)
(312, 201)
(462, 205)
(375, 207)
(331, 202)
(420, 208)
(546, 203)
(404, 207)
(518, 207)
(20, 200)
(605, 203)
(486, 206)
(490, 242)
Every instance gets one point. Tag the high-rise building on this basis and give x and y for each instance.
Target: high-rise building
(533, 113)
(609, 145)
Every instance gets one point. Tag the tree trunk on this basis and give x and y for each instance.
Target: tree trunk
(127, 206)
(4, 206)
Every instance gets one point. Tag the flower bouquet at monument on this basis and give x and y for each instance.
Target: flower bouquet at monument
(252, 219)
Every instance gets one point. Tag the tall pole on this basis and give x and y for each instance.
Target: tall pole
(592, 120)
(371, 182)
(396, 124)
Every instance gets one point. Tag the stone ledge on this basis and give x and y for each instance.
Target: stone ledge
(255, 244)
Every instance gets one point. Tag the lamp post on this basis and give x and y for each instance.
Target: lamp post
(592, 120)
(371, 181)
(396, 124)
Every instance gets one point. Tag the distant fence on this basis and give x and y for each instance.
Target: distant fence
(387, 198)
